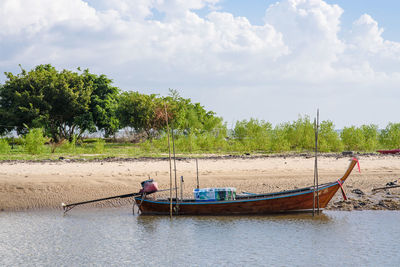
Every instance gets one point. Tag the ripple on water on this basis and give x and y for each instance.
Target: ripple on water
(116, 237)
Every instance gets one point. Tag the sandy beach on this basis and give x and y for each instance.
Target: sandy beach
(43, 185)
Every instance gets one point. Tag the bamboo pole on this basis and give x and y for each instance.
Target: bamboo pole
(316, 184)
(176, 184)
(181, 188)
(316, 160)
(386, 187)
(313, 206)
(197, 173)
(170, 165)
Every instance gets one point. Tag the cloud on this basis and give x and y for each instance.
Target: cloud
(219, 59)
(368, 46)
(33, 17)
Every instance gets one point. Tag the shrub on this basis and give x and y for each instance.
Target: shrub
(253, 134)
(302, 134)
(390, 136)
(279, 141)
(370, 137)
(352, 138)
(98, 146)
(4, 146)
(67, 146)
(34, 141)
(328, 138)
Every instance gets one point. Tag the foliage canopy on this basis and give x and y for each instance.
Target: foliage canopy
(63, 103)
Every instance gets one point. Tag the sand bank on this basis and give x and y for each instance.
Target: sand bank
(39, 185)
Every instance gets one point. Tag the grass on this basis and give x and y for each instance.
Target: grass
(254, 137)
(114, 150)
(108, 150)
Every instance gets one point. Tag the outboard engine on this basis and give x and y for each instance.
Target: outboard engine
(149, 186)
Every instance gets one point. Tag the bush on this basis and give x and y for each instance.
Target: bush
(4, 146)
(34, 141)
(185, 143)
(302, 134)
(279, 141)
(69, 146)
(370, 137)
(352, 138)
(390, 136)
(328, 138)
(253, 134)
(98, 146)
(364, 138)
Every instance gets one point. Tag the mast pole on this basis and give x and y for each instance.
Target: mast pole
(197, 173)
(316, 159)
(176, 184)
(313, 206)
(181, 188)
(170, 165)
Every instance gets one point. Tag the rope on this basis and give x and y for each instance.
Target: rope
(341, 187)
(358, 164)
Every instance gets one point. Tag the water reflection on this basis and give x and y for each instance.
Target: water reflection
(296, 217)
(116, 237)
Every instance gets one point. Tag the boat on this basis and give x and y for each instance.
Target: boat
(391, 151)
(298, 200)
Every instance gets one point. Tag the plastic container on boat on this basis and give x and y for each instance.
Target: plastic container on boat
(213, 194)
(149, 186)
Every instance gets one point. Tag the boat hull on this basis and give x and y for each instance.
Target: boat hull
(264, 205)
(392, 151)
(286, 201)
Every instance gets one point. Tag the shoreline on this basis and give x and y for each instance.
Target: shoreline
(35, 185)
(74, 159)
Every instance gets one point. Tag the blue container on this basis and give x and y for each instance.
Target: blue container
(213, 194)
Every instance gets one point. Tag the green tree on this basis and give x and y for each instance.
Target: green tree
(371, 137)
(352, 138)
(300, 134)
(328, 138)
(279, 139)
(43, 97)
(103, 103)
(390, 136)
(192, 118)
(253, 134)
(144, 113)
(64, 103)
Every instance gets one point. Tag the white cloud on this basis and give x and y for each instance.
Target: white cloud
(309, 28)
(368, 46)
(220, 59)
(32, 17)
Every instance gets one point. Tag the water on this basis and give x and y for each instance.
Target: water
(114, 237)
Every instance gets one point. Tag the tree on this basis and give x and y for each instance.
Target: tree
(352, 138)
(328, 138)
(103, 103)
(43, 97)
(390, 136)
(144, 113)
(191, 118)
(300, 134)
(253, 134)
(370, 133)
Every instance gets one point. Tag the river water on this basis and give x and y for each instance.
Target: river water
(115, 237)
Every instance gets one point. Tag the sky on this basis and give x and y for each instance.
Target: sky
(264, 59)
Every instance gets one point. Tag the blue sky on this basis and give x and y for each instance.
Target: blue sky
(271, 60)
(386, 12)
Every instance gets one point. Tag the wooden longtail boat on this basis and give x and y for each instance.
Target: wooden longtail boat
(285, 201)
